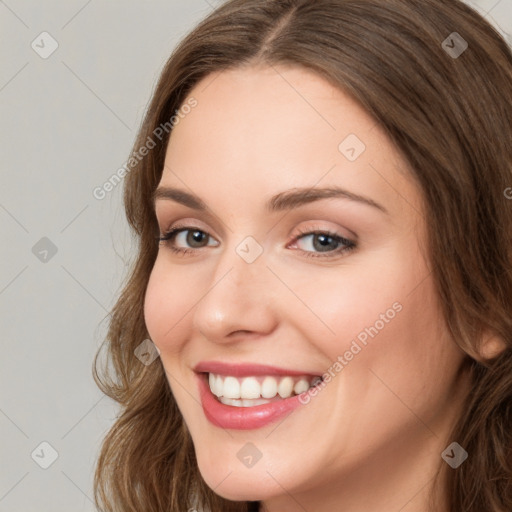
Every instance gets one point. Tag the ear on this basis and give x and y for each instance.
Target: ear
(491, 346)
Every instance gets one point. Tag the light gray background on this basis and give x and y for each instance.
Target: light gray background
(67, 124)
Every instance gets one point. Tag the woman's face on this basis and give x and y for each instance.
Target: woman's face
(263, 152)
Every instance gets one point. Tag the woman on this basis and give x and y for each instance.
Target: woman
(324, 267)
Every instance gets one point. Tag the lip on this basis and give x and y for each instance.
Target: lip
(247, 369)
(242, 418)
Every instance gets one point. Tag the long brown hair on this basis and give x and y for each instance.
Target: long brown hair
(450, 116)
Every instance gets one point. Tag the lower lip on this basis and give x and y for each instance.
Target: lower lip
(242, 418)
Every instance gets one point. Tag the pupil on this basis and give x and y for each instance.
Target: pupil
(195, 237)
(324, 242)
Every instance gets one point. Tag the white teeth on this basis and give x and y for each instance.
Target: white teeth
(269, 387)
(231, 401)
(218, 386)
(301, 386)
(250, 388)
(246, 391)
(231, 388)
(285, 387)
(242, 403)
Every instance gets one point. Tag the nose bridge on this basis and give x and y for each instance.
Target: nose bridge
(239, 297)
(243, 264)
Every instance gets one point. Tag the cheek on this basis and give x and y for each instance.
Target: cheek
(166, 303)
(386, 314)
(358, 301)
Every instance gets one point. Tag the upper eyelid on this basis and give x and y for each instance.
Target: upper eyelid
(187, 224)
(162, 216)
(160, 209)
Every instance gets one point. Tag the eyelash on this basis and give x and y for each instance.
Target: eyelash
(348, 245)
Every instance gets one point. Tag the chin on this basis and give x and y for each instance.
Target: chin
(241, 484)
(234, 489)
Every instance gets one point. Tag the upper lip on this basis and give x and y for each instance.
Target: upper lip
(246, 369)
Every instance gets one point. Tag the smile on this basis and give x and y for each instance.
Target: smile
(248, 396)
(257, 390)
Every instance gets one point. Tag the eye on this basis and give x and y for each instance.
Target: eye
(318, 241)
(313, 243)
(194, 238)
(185, 239)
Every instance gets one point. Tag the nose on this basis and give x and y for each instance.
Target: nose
(240, 300)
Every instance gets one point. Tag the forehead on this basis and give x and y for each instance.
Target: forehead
(262, 130)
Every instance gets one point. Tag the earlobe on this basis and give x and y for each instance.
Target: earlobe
(492, 346)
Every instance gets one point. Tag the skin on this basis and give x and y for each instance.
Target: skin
(371, 440)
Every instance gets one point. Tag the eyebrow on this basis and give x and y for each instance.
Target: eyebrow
(286, 200)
